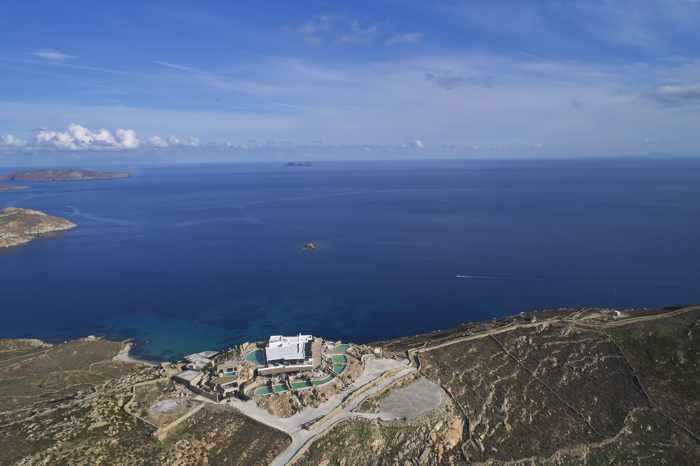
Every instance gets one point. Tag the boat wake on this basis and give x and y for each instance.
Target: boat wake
(115, 221)
(479, 277)
(498, 277)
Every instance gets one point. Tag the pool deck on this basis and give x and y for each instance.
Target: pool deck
(257, 356)
(377, 374)
(338, 358)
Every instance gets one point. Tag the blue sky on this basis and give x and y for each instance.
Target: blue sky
(360, 79)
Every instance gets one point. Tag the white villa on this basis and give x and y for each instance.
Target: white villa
(290, 354)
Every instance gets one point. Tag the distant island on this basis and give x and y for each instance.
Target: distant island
(8, 187)
(20, 226)
(65, 175)
(299, 164)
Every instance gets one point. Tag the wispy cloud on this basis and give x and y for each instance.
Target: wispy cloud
(172, 141)
(652, 25)
(222, 81)
(314, 72)
(407, 38)
(52, 55)
(176, 66)
(359, 34)
(450, 80)
(326, 29)
(316, 29)
(678, 94)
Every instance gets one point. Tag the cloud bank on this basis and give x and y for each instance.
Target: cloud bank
(80, 138)
(10, 141)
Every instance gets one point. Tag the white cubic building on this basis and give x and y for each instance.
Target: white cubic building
(281, 348)
(288, 354)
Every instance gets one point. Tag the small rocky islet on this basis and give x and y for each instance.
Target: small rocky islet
(20, 226)
(65, 175)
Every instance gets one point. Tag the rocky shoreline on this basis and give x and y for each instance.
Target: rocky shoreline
(20, 226)
(65, 175)
(124, 355)
(564, 386)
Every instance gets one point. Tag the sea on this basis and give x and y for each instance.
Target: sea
(191, 257)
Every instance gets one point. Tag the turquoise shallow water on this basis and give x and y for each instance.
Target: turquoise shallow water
(187, 258)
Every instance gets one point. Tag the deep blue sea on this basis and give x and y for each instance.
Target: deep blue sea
(186, 258)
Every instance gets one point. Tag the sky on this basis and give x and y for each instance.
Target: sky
(354, 79)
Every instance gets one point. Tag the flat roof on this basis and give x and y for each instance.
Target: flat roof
(202, 356)
(281, 348)
(189, 376)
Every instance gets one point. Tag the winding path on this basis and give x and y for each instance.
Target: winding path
(310, 424)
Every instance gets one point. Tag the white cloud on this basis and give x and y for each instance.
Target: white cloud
(79, 137)
(408, 38)
(157, 141)
(418, 144)
(127, 138)
(53, 55)
(55, 139)
(172, 141)
(10, 141)
(534, 101)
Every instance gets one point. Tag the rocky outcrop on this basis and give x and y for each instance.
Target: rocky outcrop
(20, 226)
(71, 404)
(574, 387)
(433, 439)
(65, 175)
(580, 387)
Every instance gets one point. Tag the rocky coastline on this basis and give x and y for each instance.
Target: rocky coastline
(65, 175)
(564, 386)
(20, 226)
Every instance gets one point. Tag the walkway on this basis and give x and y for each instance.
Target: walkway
(379, 374)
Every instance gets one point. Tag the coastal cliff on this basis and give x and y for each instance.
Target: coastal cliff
(567, 386)
(65, 175)
(20, 226)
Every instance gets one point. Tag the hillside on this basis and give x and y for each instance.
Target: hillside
(567, 387)
(20, 226)
(584, 386)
